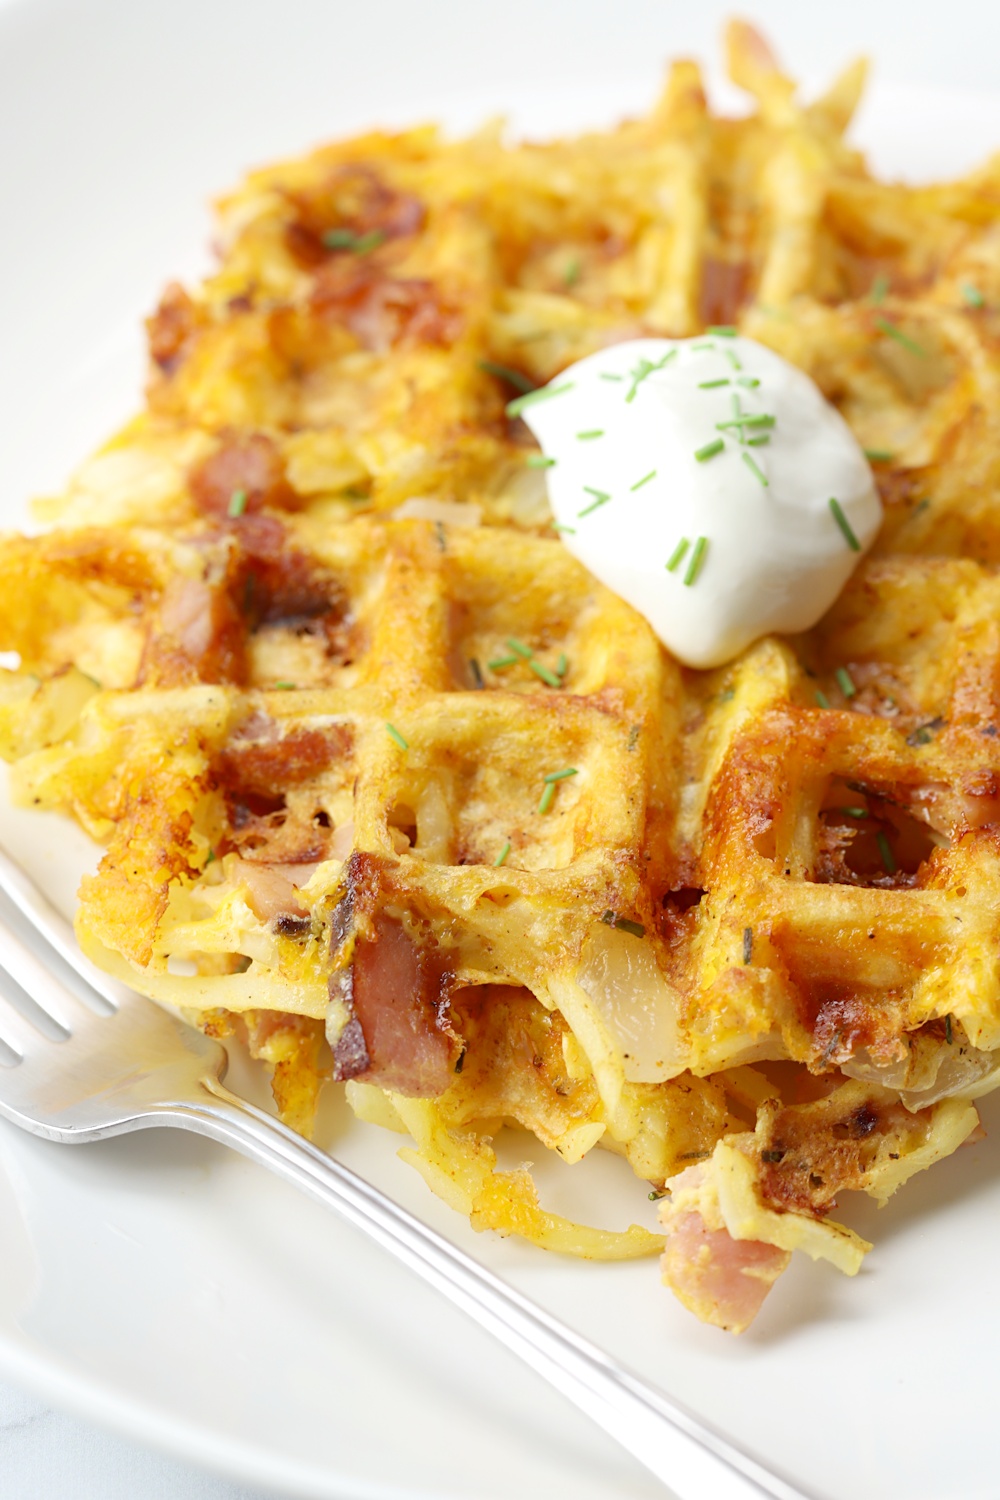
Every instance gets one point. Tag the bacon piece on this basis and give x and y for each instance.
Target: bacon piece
(381, 310)
(398, 1035)
(172, 328)
(266, 767)
(278, 583)
(354, 198)
(271, 892)
(721, 1280)
(249, 463)
(200, 636)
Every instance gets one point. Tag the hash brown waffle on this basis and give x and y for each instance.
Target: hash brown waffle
(394, 789)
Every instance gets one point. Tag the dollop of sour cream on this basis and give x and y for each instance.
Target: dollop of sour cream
(709, 483)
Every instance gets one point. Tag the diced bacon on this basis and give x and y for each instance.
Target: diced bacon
(721, 1280)
(172, 328)
(381, 310)
(250, 464)
(271, 889)
(265, 768)
(200, 636)
(398, 1036)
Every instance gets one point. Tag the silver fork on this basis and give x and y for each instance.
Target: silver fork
(129, 1064)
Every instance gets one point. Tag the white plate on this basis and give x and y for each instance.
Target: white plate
(164, 1287)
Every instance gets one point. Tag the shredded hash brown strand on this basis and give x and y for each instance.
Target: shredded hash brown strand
(263, 662)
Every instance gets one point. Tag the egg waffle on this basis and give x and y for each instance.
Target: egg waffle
(397, 793)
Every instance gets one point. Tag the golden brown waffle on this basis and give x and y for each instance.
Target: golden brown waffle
(394, 789)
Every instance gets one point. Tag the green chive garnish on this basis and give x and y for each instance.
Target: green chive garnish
(837, 511)
(612, 919)
(561, 775)
(519, 646)
(697, 562)
(676, 556)
(854, 812)
(592, 432)
(499, 662)
(878, 455)
(556, 526)
(349, 239)
(395, 735)
(879, 287)
(602, 499)
(477, 672)
(947, 1029)
(504, 372)
(758, 442)
(543, 672)
(545, 393)
(723, 331)
(539, 461)
(845, 682)
(890, 329)
(974, 298)
(562, 665)
(284, 685)
(822, 699)
(502, 855)
(749, 381)
(731, 356)
(645, 368)
(210, 856)
(644, 480)
(755, 469)
(711, 385)
(606, 375)
(571, 275)
(885, 849)
(237, 503)
(700, 348)
(747, 944)
(547, 797)
(709, 451)
(764, 420)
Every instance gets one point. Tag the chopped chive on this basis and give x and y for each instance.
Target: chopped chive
(543, 672)
(602, 499)
(547, 797)
(539, 461)
(845, 682)
(837, 511)
(755, 469)
(571, 275)
(607, 375)
(504, 372)
(562, 665)
(924, 733)
(656, 1194)
(763, 420)
(544, 393)
(477, 672)
(591, 432)
(723, 331)
(561, 775)
(612, 919)
(854, 812)
(884, 326)
(557, 526)
(210, 856)
(349, 239)
(697, 562)
(711, 385)
(502, 855)
(747, 944)
(749, 381)
(885, 849)
(974, 297)
(700, 348)
(519, 647)
(709, 451)
(645, 368)
(947, 1029)
(731, 356)
(878, 455)
(284, 685)
(237, 503)
(878, 289)
(395, 735)
(674, 560)
(758, 442)
(644, 480)
(822, 699)
(499, 662)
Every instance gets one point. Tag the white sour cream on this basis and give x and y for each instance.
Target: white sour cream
(765, 548)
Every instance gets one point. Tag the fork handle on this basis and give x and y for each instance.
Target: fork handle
(692, 1460)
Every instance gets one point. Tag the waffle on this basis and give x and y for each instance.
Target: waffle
(399, 796)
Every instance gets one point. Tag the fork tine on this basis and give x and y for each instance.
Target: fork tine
(16, 1031)
(28, 970)
(22, 892)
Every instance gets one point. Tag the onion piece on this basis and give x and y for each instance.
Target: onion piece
(619, 973)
